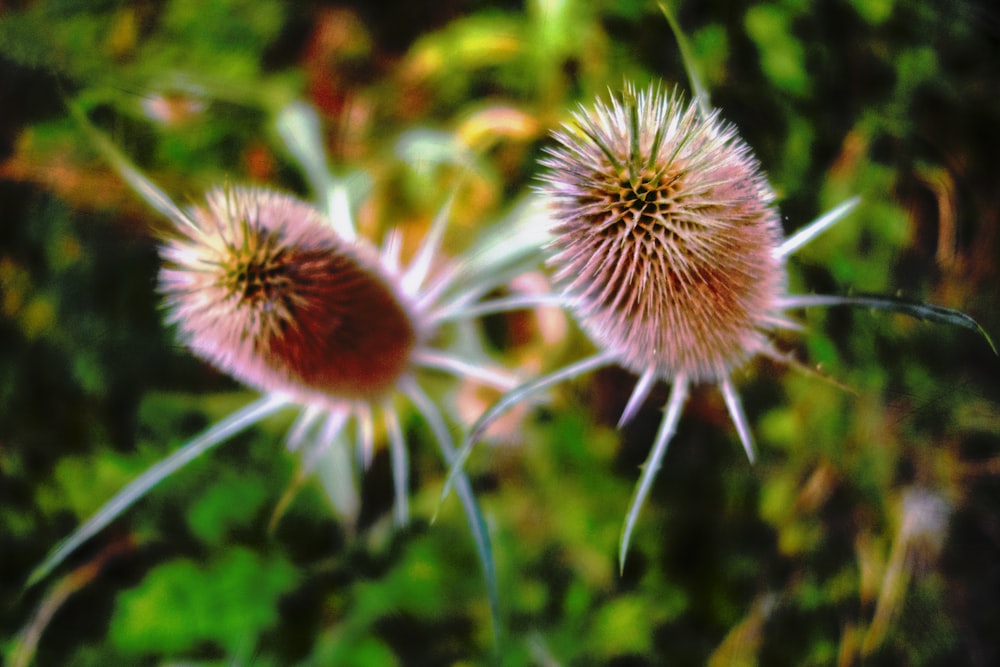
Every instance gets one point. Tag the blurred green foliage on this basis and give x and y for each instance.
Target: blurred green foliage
(828, 551)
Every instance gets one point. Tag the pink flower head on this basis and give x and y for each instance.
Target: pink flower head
(263, 288)
(664, 235)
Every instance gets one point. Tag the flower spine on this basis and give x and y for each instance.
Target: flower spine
(263, 288)
(664, 235)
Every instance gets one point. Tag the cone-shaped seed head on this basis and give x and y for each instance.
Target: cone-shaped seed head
(263, 288)
(664, 232)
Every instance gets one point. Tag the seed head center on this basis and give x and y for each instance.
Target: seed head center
(259, 276)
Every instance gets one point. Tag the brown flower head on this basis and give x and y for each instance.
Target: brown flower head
(670, 254)
(664, 235)
(263, 288)
(296, 303)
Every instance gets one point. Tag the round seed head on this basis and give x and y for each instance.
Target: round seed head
(263, 288)
(664, 235)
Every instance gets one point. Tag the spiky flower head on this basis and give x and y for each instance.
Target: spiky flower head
(263, 288)
(664, 235)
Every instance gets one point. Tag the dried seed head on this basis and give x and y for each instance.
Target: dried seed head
(664, 235)
(263, 288)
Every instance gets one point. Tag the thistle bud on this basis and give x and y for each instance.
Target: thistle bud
(263, 288)
(664, 235)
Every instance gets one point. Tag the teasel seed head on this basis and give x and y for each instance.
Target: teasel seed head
(262, 287)
(664, 235)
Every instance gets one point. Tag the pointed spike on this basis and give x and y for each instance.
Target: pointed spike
(137, 488)
(654, 149)
(145, 188)
(323, 440)
(400, 465)
(414, 277)
(917, 309)
(299, 126)
(339, 211)
(463, 489)
(285, 501)
(472, 284)
(336, 471)
(508, 249)
(668, 426)
(302, 427)
(492, 377)
(391, 249)
(516, 239)
(815, 228)
(366, 435)
(795, 364)
(739, 417)
(634, 148)
(600, 143)
(698, 89)
(512, 398)
(638, 397)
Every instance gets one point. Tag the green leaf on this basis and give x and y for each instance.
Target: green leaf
(233, 501)
(181, 604)
(781, 54)
(623, 626)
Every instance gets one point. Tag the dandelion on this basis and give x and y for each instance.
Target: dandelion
(293, 302)
(668, 250)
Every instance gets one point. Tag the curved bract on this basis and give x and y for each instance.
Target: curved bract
(292, 301)
(668, 250)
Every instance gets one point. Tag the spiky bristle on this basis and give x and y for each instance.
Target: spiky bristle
(263, 288)
(664, 235)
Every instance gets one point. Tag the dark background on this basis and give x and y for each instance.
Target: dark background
(868, 531)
